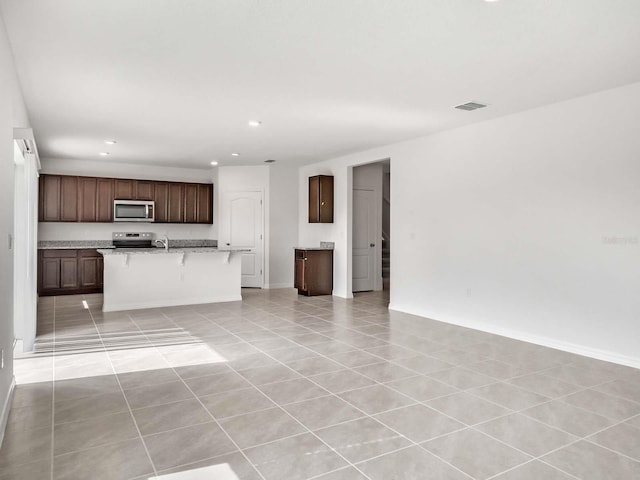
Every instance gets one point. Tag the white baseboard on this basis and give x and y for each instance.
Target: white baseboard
(583, 350)
(170, 303)
(6, 408)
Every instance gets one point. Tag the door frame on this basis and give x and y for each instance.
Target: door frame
(263, 241)
(350, 186)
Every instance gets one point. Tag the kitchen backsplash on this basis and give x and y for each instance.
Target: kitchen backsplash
(103, 231)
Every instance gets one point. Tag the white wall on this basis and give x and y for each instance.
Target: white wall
(12, 115)
(369, 177)
(527, 225)
(279, 187)
(283, 225)
(102, 231)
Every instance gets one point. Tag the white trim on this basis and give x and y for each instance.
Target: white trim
(6, 408)
(583, 350)
(171, 303)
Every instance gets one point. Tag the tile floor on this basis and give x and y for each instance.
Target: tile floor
(286, 387)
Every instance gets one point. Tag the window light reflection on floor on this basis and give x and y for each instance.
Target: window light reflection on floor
(222, 471)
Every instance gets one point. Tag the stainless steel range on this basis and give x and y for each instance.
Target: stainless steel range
(132, 239)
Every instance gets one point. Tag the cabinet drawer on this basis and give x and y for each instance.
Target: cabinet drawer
(59, 253)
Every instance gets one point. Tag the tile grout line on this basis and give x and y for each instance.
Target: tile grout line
(124, 396)
(391, 361)
(354, 406)
(206, 409)
(53, 386)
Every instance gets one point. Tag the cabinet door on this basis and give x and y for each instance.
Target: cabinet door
(49, 273)
(190, 203)
(299, 282)
(143, 190)
(68, 199)
(326, 199)
(49, 198)
(314, 199)
(69, 273)
(89, 272)
(104, 200)
(205, 203)
(175, 210)
(161, 199)
(87, 198)
(123, 189)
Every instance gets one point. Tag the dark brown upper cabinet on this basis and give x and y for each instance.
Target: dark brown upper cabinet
(66, 198)
(49, 208)
(175, 208)
(58, 198)
(191, 203)
(87, 198)
(104, 200)
(321, 199)
(161, 199)
(124, 188)
(143, 190)
(205, 203)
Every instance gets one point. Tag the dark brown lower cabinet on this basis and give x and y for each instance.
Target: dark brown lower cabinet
(313, 271)
(69, 272)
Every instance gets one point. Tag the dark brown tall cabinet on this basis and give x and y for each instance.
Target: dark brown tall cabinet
(313, 271)
(321, 199)
(62, 272)
(66, 198)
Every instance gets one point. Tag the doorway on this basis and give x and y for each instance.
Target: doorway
(370, 253)
(242, 226)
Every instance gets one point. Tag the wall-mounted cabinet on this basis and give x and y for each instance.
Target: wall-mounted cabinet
(321, 199)
(66, 198)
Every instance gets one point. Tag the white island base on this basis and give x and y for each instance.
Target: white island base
(158, 278)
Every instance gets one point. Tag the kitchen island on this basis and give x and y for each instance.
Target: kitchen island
(136, 278)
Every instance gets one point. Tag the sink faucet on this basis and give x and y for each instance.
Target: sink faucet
(164, 242)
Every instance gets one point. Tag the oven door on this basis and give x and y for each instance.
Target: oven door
(133, 211)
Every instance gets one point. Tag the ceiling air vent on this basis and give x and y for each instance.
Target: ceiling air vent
(470, 106)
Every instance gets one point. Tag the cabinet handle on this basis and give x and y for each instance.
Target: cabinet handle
(322, 203)
(305, 259)
(372, 244)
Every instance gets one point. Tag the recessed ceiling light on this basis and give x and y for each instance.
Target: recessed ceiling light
(110, 142)
(214, 163)
(235, 154)
(254, 123)
(103, 154)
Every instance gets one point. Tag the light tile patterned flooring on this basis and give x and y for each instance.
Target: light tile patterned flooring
(286, 387)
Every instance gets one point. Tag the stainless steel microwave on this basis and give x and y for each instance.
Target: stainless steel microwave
(133, 211)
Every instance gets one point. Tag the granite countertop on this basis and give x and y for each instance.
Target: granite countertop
(104, 244)
(73, 244)
(313, 248)
(163, 251)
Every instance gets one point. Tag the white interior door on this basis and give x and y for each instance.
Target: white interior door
(364, 240)
(242, 227)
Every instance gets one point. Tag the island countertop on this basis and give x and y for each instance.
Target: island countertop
(163, 251)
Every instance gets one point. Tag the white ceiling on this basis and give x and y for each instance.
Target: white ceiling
(175, 82)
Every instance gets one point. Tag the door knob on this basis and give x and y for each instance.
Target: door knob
(372, 244)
